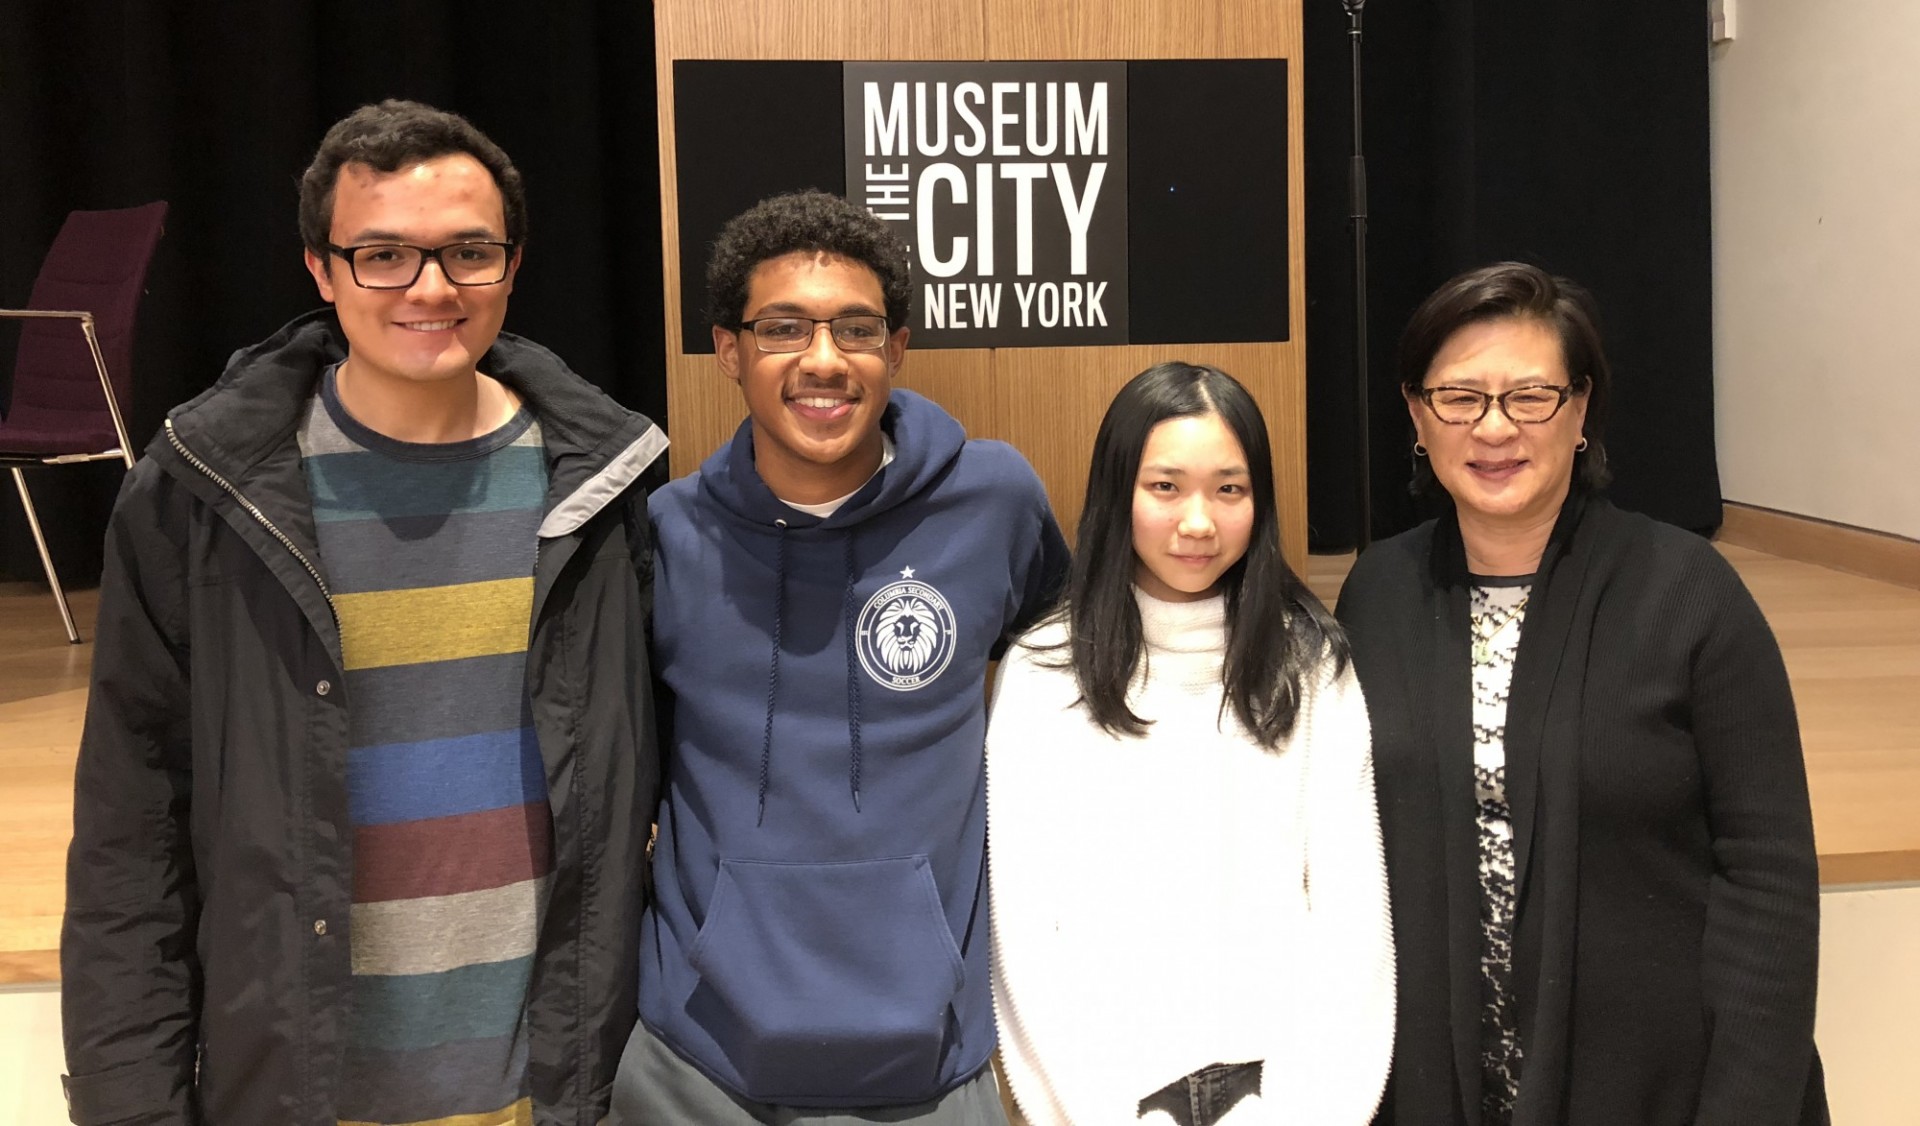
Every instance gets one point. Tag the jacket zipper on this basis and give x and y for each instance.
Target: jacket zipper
(253, 510)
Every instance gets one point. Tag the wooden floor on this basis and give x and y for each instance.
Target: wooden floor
(43, 696)
(1852, 647)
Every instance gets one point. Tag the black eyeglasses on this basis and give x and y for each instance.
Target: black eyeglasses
(1462, 406)
(395, 265)
(852, 333)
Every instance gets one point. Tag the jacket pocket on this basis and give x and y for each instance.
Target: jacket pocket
(832, 981)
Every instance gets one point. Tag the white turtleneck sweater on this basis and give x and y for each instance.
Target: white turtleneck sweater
(1186, 898)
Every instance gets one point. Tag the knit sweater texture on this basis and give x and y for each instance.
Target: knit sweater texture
(1665, 946)
(1167, 902)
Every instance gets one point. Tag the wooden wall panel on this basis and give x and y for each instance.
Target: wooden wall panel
(1046, 401)
(1144, 29)
(917, 29)
(963, 380)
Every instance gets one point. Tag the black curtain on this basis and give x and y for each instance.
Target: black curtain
(217, 108)
(1571, 134)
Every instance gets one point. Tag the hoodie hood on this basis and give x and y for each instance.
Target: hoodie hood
(926, 441)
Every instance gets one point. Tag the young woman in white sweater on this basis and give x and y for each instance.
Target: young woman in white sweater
(1189, 906)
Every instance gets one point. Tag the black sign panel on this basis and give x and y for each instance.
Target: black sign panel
(1185, 240)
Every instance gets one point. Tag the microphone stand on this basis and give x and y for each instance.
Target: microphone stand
(1357, 214)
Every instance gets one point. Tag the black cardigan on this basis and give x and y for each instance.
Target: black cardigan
(1666, 934)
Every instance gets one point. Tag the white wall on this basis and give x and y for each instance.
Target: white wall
(1869, 1019)
(1816, 259)
(30, 1056)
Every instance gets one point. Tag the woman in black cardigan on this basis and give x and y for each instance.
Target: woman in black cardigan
(1594, 807)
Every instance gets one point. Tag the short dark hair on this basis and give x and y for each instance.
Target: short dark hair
(1277, 631)
(387, 137)
(813, 221)
(1517, 290)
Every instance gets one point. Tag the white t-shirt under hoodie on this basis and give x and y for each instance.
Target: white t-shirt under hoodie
(1186, 898)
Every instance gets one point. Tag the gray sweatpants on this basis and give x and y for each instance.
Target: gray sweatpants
(655, 1087)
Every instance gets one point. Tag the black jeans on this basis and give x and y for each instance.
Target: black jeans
(1203, 1098)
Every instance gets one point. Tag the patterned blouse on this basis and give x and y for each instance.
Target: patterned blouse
(1498, 607)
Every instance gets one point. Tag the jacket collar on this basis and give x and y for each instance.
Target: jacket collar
(241, 426)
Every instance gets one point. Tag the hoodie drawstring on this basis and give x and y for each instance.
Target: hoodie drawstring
(773, 669)
(853, 681)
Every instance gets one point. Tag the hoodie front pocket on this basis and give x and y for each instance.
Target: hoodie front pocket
(828, 981)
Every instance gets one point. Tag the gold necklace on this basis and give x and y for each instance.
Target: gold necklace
(1483, 638)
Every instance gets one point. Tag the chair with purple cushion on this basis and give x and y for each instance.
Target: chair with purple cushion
(74, 366)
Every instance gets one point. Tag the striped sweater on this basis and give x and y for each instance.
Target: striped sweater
(429, 550)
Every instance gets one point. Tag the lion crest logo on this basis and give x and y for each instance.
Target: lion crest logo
(905, 634)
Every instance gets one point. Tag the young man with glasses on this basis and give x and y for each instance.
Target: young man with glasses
(831, 585)
(369, 758)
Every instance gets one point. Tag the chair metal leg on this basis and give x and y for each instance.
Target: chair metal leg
(46, 560)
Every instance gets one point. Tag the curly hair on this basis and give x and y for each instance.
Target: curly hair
(813, 221)
(388, 136)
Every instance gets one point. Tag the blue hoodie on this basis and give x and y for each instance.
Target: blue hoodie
(818, 933)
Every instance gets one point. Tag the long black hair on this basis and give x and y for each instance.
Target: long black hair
(1277, 631)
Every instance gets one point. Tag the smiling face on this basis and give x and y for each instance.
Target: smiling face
(1499, 472)
(432, 331)
(816, 412)
(1192, 508)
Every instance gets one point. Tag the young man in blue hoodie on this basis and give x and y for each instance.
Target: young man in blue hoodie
(829, 589)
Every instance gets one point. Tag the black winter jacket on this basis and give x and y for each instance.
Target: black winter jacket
(205, 947)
